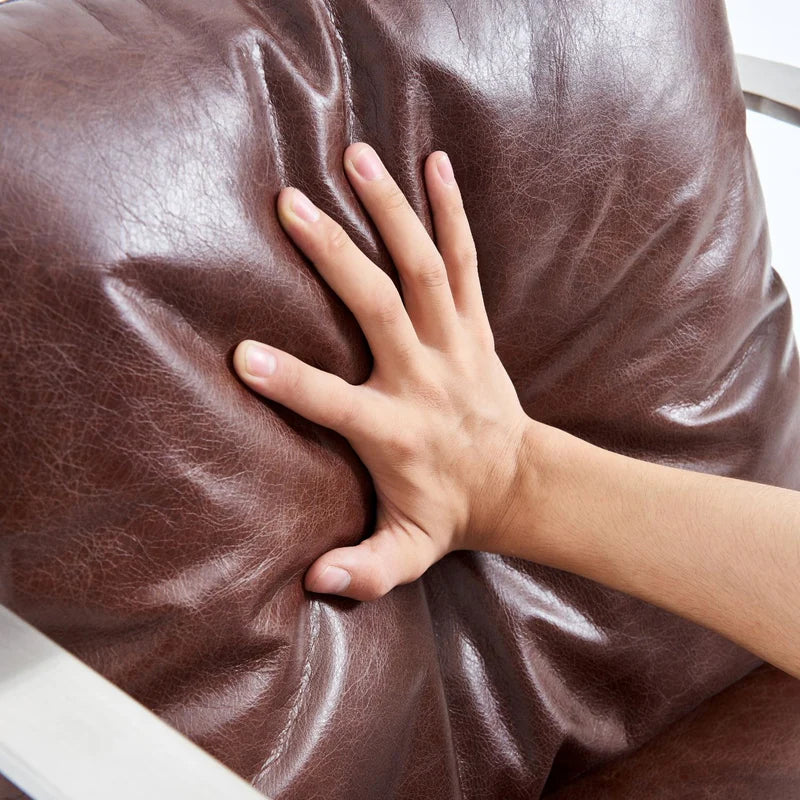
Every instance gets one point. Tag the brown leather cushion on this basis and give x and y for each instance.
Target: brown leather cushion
(157, 517)
(742, 744)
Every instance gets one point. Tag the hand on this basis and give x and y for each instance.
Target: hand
(438, 424)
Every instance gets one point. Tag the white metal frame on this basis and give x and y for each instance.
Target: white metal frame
(66, 733)
(770, 88)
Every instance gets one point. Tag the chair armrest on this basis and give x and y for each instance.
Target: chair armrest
(66, 733)
(770, 88)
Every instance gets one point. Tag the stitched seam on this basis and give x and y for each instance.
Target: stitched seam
(346, 74)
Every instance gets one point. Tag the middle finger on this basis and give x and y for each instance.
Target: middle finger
(423, 274)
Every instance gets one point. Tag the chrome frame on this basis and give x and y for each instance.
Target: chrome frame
(66, 733)
(770, 88)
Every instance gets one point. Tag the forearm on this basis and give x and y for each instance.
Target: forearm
(722, 552)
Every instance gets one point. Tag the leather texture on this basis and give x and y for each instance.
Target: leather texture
(157, 517)
(710, 754)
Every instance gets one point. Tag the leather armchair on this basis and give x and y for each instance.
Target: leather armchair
(157, 518)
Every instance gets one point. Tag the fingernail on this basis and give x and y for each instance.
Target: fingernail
(258, 361)
(303, 207)
(445, 169)
(332, 580)
(367, 164)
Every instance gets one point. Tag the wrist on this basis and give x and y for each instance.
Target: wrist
(521, 525)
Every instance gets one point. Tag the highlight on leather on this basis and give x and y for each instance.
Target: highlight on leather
(157, 518)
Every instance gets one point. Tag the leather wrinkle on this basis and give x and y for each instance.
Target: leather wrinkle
(441, 674)
(344, 63)
(294, 710)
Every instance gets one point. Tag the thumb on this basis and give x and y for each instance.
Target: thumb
(367, 571)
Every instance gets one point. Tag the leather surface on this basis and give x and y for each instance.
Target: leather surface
(157, 518)
(740, 745)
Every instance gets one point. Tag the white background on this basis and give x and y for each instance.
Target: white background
(771, 29)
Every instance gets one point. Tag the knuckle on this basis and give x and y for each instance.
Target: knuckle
(337, 238)
(402, 445)
(385, 303)
(466, 257)
(480, 333)
(434, 395)
(377, 586)
(393, 199)
(378, 583)
(406, 359)
(345, 415)
(373, 590)
(430, 273)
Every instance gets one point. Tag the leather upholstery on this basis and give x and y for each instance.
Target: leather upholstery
(157, 518)
(744, 742)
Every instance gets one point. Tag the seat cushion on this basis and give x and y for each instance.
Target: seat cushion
(742, 744)
(158, 518)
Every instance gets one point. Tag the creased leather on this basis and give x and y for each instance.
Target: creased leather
(710, 753)
(157, 517)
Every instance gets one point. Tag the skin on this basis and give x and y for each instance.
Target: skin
(457, 464)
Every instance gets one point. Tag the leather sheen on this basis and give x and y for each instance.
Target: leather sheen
(743, 742)
(157, 518)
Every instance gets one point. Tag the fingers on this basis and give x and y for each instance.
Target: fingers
(426, 290)
(369, 570)
(366, 290)
(317, 395)
(453, 236)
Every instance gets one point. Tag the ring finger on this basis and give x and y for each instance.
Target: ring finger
(364, 288)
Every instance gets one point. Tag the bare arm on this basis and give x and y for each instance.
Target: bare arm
(458, 465)
(720, 551)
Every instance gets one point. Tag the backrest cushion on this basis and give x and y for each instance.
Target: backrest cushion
(157, 518)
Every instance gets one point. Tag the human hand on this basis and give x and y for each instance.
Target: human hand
(438, 424)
